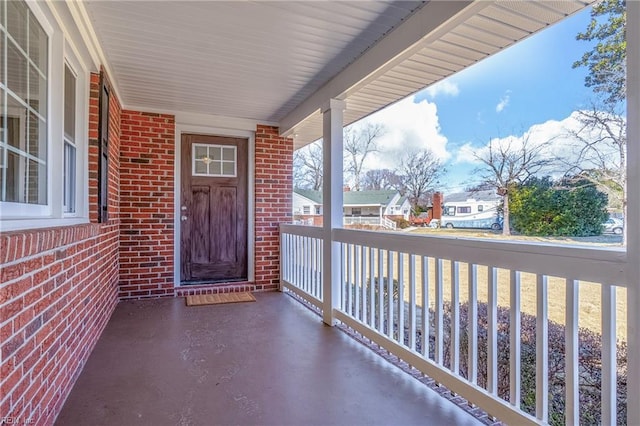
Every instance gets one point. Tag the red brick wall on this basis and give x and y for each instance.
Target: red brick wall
(273, 199)
(146, 204)
(58, 288)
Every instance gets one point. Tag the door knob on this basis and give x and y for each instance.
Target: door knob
(183, 218)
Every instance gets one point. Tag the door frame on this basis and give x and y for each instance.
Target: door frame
(214, 131)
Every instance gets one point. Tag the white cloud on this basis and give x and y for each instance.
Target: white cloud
(562, 147)
(409, 126)
(504, 101)
(443, 87)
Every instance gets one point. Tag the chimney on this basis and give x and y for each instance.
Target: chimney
(436, 203)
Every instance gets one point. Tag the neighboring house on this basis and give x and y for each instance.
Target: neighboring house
(366, 207)
(307, 207)
(475, 209)
(384, 203)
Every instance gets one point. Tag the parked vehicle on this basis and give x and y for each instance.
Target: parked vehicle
(476, 209)
(613, 226)
(421, 220)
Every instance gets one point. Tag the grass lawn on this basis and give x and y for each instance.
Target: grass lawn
(589, 293)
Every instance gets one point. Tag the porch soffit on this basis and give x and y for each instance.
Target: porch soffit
(246, 60)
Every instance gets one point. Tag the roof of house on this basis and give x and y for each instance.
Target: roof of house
(315, 196)
(354, 198)
(487, 195)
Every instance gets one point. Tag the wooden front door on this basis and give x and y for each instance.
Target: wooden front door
(213, 210)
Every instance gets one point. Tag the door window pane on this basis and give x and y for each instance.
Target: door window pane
(214, 160)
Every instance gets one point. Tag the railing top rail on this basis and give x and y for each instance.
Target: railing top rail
(302, 230)
(605, 265)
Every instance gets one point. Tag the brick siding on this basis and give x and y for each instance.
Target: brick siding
(147, 161)
(58, 288)
(273, 202)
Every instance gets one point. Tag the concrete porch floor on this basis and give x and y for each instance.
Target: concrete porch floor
(271, 362)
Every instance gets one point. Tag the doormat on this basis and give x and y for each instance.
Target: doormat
(215, 299)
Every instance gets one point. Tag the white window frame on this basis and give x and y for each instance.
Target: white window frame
(81, 136)
(61, 52)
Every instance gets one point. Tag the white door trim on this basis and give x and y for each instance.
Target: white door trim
(215, 131)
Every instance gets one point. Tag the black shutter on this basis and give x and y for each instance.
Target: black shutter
(103, 152)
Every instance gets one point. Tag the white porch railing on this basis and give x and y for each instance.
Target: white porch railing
(364, 220)
(388, 278)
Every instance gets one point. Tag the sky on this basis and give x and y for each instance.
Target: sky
(529, 88)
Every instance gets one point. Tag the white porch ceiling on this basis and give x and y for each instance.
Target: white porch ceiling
(271, 61)
(254, 60)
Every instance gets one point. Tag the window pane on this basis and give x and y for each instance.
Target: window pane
(16, 124)
(227, 169)
(228, 154)
(17, 13)
(201, 168)
(16, 169)
(69, 105)
(37, 137)
(214, 153)
(2, 119)
(2, 69)
(38, 91)
(16, 71)
(201, 152)
(37, 44)
(69, 178)
(214, 167)
(36, 183)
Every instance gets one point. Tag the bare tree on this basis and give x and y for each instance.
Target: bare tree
(420, 172)
(602, 153)
(378, 179)
(509, 162)
(307, 167)
(359, 142)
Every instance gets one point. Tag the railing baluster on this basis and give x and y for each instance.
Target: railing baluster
(363, 284)
(356, 281)
(380, 291)
(514, 339)
(372, 299)
(424, 339)
(284, 258)
(309, 265)
(314, 267)
(401, 298)
(343, 297)
(390, 294)
(412, 302)
(438, 320)
(542, 349)
(572, 377)
(473, 323)
(609, 362)
(319, 267)
(492, 332)
(455, 317)
(305, 267)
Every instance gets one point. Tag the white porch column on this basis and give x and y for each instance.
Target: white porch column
(633, 212)
(332, 145)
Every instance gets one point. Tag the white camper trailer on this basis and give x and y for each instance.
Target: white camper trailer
(477, 209)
